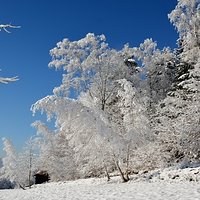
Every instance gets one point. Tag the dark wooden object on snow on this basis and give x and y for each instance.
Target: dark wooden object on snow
(41, 177)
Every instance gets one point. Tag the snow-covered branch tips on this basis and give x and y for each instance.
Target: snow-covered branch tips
(7, 80)
(6, 26)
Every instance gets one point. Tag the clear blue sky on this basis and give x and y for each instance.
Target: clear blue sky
(25, 51)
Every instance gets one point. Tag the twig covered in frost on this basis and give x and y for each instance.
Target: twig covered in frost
(6, 26)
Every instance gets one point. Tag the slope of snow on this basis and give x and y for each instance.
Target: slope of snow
(172, 174)
(99, 189)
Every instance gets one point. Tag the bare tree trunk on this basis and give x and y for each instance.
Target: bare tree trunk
(120, 171)
(21, 186)
(29, 179)
(107, 174)
(30, 168)
(127, 162)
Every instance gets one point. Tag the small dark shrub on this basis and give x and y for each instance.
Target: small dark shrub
(6, 184)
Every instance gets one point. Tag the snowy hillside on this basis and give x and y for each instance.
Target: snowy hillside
(138, 188)
(99, 189)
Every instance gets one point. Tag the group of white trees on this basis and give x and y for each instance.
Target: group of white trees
(118, 110)
(179, 113)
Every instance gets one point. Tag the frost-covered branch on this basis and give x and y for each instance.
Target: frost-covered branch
(6, 26)
(8, 80)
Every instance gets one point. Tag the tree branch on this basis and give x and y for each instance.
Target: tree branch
(6, 26)
(7, 80)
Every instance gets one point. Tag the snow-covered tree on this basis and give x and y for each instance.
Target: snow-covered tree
(186, 18)
(177, 116)
(27, 162)
(130, 116)
(55, 155)
(157, 71)
(10, 165)
(90, 66)
(23, 162)
(81, 128)
(92, 73)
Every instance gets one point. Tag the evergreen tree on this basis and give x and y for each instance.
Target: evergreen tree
(178, 121)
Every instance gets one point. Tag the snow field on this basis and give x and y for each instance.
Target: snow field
(100, 189)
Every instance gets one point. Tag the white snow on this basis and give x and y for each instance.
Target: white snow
(100, 189)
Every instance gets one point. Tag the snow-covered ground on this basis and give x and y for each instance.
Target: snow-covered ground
(173, 188)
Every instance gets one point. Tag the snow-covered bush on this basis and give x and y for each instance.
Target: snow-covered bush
(6, 184)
